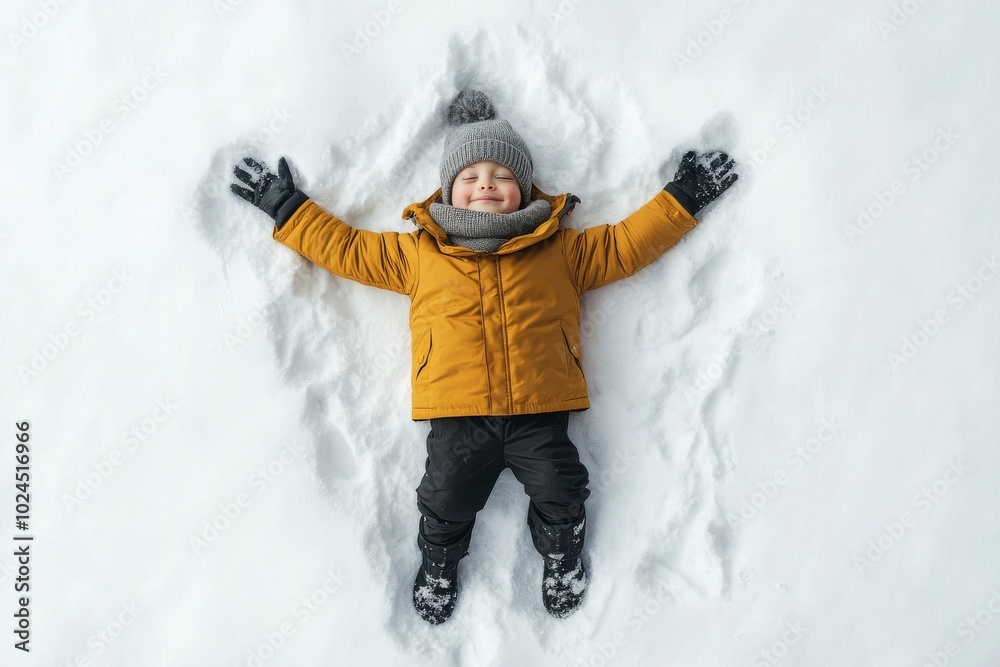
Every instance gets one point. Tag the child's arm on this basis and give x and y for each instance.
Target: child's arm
(386, 260)
(602, 254)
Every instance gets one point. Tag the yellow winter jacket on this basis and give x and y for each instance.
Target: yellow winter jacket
(492, 333)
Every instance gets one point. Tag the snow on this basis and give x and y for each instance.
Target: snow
(792, 444)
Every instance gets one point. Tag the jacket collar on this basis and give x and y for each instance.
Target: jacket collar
(562, 204)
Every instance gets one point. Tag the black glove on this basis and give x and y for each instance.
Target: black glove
(275, 195)
(700, 179)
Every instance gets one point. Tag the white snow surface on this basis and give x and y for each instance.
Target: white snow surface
(792, 441)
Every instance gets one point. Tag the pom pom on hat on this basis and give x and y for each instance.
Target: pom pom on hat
(471, 106)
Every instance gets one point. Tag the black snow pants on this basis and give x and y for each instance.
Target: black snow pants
(465, 456)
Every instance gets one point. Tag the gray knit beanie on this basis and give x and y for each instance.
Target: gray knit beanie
(477, 136)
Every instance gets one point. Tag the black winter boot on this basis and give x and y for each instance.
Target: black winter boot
(564, 582)
(435, 590)
(564, 578)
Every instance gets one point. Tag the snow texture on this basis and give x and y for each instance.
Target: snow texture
(792, 444)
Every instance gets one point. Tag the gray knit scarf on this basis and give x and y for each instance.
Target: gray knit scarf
(485, 231)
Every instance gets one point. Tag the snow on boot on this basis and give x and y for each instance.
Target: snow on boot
(564, 581)
(564, 578)
(435, 590)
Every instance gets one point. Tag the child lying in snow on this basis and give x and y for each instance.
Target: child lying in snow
(495, 286)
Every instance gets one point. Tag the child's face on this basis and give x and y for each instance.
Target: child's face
(486, 186)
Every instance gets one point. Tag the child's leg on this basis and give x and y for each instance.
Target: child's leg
(464, 460)
(544, 459)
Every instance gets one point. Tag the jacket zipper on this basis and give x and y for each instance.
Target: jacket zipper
(567, 207)
(503, 327)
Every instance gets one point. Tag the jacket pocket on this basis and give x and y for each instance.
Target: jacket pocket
(572, 337)
(421, 355)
